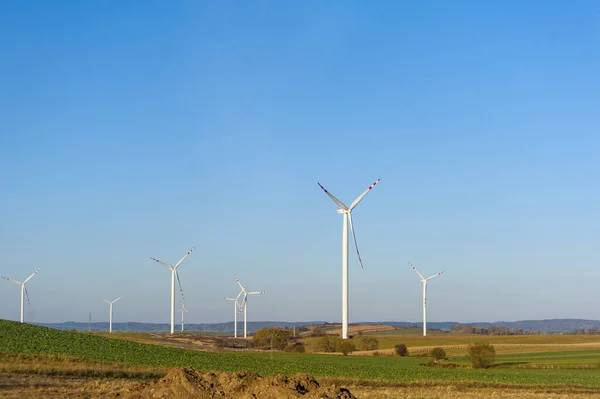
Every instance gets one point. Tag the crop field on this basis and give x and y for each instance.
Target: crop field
(29, 339)
(415, 340)
(403, 331)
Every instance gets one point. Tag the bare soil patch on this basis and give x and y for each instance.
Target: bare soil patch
(188, 383)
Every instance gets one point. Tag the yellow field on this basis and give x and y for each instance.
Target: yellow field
(414, 340)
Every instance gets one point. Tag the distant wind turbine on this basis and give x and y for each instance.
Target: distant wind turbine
(182, 310)
(174, 275)
(111, 312)
(424, 280)
(347, 213)
(236, 309)
(23, 292)
(244, 304)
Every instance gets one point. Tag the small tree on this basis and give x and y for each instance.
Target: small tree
(401, 350)
(326, 344)
(297, 347)
(344, 346)
(367, 343)
(438, 354)
(482, 355)
(267, 338)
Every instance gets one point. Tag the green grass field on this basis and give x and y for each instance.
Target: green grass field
(25, 338)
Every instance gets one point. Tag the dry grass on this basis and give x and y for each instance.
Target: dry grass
(454, 392)
(57, 376)
(469, 390)
(501, 349)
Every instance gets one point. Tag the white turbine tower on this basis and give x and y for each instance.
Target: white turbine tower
(23, 292)
(174, 275)
(111, 312)
(244, 305)
(182, 309)
(424, 280)
(236, 309)
(347, 213)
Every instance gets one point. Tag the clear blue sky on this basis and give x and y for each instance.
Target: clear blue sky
(138, 129)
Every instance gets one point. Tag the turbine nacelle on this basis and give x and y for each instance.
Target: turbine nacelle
(342, 211)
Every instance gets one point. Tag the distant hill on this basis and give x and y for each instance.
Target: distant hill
(224, 328)
(545, 326)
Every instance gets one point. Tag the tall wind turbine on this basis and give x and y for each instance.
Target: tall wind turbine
(347, 213)
(244, 305)
(174, 275)
(182, 309)
(23, 291)
(111, 312)
(236, 309)
(424, 280)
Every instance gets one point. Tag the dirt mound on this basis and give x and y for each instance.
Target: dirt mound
(188, 383)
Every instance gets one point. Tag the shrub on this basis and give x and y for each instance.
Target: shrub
(482, 355)
(368, 343)
(296, 347)
(401, 350)
(326, 344)
(438, 354)
(344, 346)
(334, 344)
(277, 338)
(317, 332)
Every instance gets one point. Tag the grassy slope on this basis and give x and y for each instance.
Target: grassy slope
(25, 338)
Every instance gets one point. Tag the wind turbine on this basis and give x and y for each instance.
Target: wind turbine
(347, 213)
(424, 280)
(23, 292)
(236, 309)
(110, 314)
(244, 304)
(174, 275)
(182, 310)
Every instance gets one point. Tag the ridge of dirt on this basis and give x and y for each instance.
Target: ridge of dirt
(188, 383)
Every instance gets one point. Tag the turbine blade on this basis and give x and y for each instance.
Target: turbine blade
(435, 275)
(415, 269)
(104, 300)
(180, 289)
(360, 197)
(117, 299)
(32, 274)
(182, 259)
(27, 295)
(162, 263)
(12, 281)
(244, 301)
(354, 237)
(240, 284)
(337, 201)
(238, 297)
